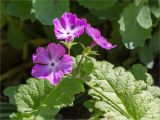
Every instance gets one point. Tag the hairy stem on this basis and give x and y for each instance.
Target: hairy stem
(79, 65)
(107, 99)
(69, 51)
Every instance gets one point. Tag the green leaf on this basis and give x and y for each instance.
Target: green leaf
(10, 92)
(85, 40)
(133, 34)
(86, 66)
(156, 12)
(158, 2)
(139, 72)
(91, 18)
(47, 10)
(140, 2)
(155, 91)
(154, 43)
(21, 9)
(40, 100)
(123, 89)
(2, 15)
(144, 18)
(95, 4)
(20, 116)
(96, 113)
(15, 35)
(111, 13)
(145, 55)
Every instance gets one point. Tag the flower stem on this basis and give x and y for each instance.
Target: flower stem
(69, 51)
(108, 100)
(79, 65)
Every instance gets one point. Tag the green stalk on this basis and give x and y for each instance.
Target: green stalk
(69, 45)
(69, 51)
(108, 100)
(79, 65)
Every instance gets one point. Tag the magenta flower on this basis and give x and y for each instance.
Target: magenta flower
(97, 38)
(51, 63)
(69, 26)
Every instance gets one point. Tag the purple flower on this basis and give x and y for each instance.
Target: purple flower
(51, 63)
(69, 26)
(98, 39)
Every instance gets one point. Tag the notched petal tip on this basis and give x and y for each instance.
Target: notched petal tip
(55, 20)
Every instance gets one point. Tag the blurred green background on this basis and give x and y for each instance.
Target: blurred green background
(133, 25)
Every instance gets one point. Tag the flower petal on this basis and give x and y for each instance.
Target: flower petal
(41, 56)
(55, 51)
(92, 32)
(104, 43)
(79, 27)
(65, 64)
(68, 20)
(96, 36)
(54, 78)
(69, 26)
(41, 71)
(58, 29)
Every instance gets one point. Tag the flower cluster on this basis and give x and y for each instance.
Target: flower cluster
(70, 27)
(52, 63)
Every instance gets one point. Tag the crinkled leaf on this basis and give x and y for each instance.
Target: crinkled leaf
(97, 4)
(154, 90)
(47, 10)
(40, 100)
(122, 88)
(133, 34)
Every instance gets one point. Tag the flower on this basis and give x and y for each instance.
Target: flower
(98, 39)
(51, 63)
(69, 26)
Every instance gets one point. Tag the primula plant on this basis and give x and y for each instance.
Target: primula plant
(58, 78)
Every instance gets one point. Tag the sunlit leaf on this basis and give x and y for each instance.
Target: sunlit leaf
(39, 99)
(133, 34)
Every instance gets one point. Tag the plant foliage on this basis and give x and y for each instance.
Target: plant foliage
(131, 95)
(39, 100)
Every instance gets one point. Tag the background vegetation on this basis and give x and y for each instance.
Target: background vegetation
(131, 24)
